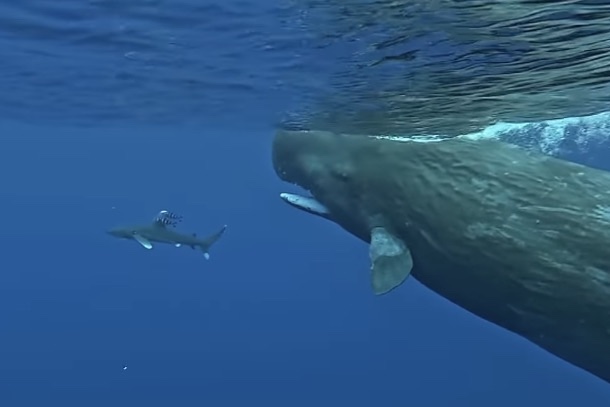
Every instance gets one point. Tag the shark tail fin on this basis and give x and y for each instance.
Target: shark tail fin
(210, 240)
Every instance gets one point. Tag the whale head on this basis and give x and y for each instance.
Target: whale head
(310, 160)
(343, 175)
(329, 169)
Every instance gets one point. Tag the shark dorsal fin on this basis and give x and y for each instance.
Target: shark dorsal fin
(166, 218)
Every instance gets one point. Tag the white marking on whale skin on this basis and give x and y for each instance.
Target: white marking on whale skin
(602, 212)
(304, 203)
(480, 230)
(432, 242)
(598, 276)
(413, 139)
(566, 211)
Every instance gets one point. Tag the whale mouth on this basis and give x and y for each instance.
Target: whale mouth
(304, 200)
(290, 165)
(285, 177)
(305, 203)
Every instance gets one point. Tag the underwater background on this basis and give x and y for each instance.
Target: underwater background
(111, 111)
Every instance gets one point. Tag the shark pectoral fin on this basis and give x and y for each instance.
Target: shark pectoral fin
(391, 261)
(143, 241)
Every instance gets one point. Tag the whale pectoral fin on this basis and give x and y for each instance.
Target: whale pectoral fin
(391, 261)
(143, 241)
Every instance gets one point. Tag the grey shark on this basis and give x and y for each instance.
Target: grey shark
(160, 230)
(518, 238)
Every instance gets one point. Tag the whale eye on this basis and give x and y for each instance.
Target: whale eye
(342, 173)
(344, 176)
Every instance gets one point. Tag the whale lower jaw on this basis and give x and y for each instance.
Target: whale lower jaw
(307, 204)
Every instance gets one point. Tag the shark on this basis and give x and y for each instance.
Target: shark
(160, 230)
(515, 237)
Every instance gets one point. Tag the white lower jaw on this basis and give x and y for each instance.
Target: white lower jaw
(306, 204)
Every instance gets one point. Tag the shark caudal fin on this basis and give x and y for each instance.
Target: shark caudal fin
(206, 243)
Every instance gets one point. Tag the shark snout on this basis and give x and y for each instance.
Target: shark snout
(116, 232)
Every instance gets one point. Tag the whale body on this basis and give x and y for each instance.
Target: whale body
(518, 238)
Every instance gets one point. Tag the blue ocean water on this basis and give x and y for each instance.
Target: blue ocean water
(103, 125)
